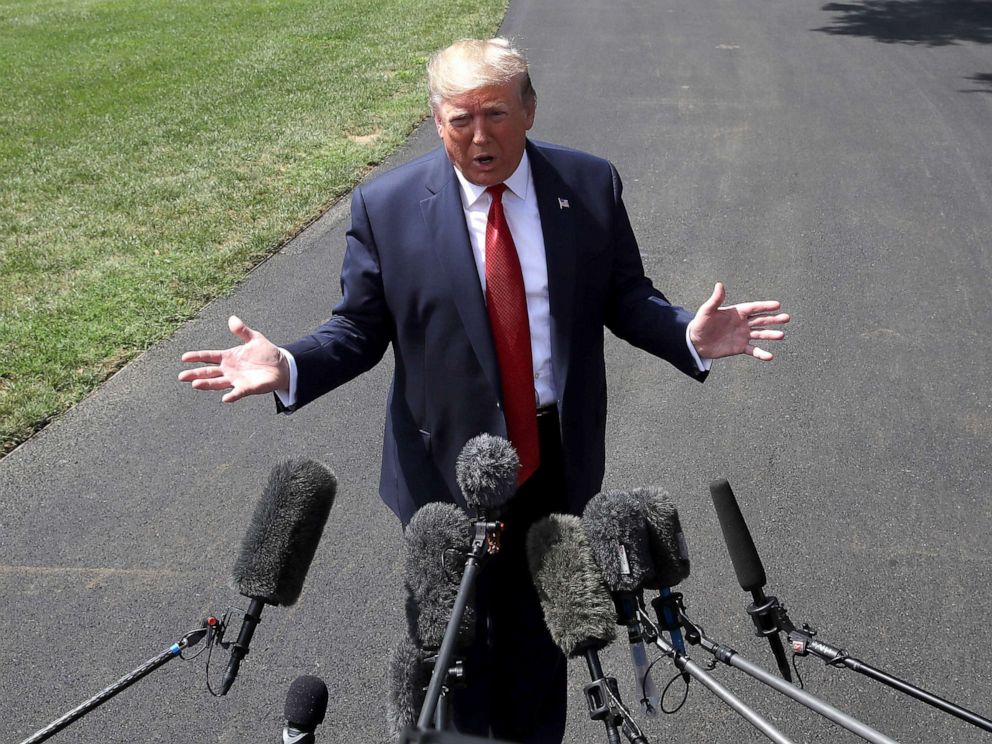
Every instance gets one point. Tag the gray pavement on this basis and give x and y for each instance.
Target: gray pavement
(837, 157)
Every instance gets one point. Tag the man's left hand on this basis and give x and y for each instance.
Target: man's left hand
(718, 331)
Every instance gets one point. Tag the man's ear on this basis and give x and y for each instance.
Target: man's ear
(529, 110)
(438, 125)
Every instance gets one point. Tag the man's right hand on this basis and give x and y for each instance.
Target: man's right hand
(252, 368)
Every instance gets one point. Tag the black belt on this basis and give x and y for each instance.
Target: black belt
(547, 410)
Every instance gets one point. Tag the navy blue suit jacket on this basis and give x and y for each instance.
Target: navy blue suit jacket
(409, 280)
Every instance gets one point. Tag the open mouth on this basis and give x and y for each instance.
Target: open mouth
(484, 159)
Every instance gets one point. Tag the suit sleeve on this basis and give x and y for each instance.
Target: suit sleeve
(361, 326)
(637, 312)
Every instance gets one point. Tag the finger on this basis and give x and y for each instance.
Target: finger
(757, 353)
(209, 356)
(200, 373)
(767, 335)
(715, 300)
(753, 308)
(239, 329)
(234, 395)
(217, 383)
(766, 320)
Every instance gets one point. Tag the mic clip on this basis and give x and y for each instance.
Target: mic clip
(669, 610)
(768, 616)
(488, 537)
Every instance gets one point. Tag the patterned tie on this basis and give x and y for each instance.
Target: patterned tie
(507, 306)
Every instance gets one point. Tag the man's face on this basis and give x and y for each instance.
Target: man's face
(484, 131)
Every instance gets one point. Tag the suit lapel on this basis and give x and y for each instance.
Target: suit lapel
(555, 202)
(442, 212)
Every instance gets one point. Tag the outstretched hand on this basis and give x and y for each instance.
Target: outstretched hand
(252, 368)
(725, 331)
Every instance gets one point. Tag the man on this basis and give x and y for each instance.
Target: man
(491, 266)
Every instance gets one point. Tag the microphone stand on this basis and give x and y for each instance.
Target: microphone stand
(485, 541)
(727, 655)
(188, 640)
(604, 703)
(686, 665)
(803, 643)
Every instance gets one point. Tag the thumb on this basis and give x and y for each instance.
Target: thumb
(715, 300)
(239, 329)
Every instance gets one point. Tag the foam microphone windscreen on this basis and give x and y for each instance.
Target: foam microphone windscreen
(578, 610)
(284, 531)
(409, 677)
(665, 537)
(438, 540)
(747, 565)
(618, 535)
(486, 471)
(306, 703)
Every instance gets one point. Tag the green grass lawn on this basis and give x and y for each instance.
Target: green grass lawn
(153, 151)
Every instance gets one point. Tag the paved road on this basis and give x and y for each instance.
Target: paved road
(838, 157)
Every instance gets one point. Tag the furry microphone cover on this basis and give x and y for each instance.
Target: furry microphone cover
(438, 539)
(577, 607)
(409, 676)
(486, 471)
(665, 537)
(618, 535)
(284, 531)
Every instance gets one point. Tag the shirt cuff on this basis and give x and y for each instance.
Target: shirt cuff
(288, 397)
(703, 365)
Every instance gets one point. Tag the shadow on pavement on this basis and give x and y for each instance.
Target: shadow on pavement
(927, 22)
(982, 79)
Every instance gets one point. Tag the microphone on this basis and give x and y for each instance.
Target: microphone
(578, 611)
(409, 675)
(486, 471)
(437, 542)
(279, 545)
(306, 704)
(670, 552)
(750, 572)
(618, 537)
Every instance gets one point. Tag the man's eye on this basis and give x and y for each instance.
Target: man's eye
(459, 121)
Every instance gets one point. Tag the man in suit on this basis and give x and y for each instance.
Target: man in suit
(491, 266)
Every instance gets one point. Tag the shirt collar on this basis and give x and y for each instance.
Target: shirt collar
(518, 183)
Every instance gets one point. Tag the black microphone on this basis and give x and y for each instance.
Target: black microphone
(437, 540)
(578, 611)
(486, 471)
(617, 531)
(670, 554)
(306, 705)
(750, 572)
(279, 545)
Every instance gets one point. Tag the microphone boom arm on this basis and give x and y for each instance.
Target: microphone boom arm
(686, 665)
(190, 639)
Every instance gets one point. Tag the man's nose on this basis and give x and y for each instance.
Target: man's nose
(480, 133)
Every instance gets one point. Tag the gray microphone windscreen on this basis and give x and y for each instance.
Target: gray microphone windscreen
(284, 531)
(669, 549)
(578, 610)
(409, 676)
(486, 471)
(438, 540)
(618, 535)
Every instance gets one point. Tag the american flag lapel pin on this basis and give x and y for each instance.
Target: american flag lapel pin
(562, 203)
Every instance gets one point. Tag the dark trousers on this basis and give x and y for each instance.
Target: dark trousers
(516, 685)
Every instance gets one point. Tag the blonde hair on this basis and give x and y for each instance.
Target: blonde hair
(469, 64)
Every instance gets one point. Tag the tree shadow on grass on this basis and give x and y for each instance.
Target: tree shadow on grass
(927, 22)
(982, 78)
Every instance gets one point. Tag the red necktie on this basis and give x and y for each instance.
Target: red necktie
(507, 306)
